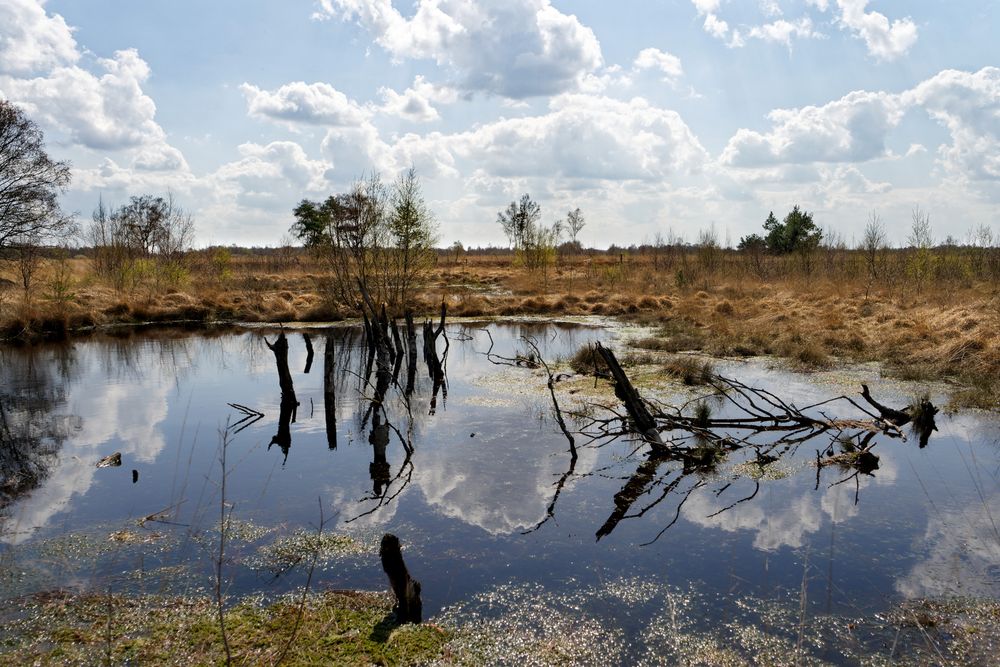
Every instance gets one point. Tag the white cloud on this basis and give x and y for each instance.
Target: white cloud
(851, 129)
(300, 102)
(108, 112)
(968, 105)
(266, 172)
(782, 31)
(416, 103)
(512, 48)
(98, 104)
(32, 41)
(770, 7)
(885, 40)
(587, 137)
(713, 25)
(667, 63)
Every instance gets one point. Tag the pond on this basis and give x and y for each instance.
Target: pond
(623, 557)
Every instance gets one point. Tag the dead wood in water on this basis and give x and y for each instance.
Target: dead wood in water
(762, 421)
(408, 607)
(685, 445)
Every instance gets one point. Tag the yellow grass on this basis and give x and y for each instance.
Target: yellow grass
(941, 331)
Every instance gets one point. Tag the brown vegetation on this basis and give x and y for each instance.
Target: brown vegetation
(942, 327)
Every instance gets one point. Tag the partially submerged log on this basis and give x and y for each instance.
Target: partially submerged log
(408, 607)
(921, 414)
(642, 420)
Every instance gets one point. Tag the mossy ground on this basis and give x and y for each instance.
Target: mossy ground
(341, 628)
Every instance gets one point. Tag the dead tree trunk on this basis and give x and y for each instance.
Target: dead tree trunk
(408, 607)
(644, 423)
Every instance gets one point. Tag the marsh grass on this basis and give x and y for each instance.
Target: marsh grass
(945, 330)
(690, 370)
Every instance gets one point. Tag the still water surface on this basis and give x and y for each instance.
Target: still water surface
(473, 503)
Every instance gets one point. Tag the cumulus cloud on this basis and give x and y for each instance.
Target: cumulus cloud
(851, 129)
(885, 40)
(713, 25)
(107, 112)
(96, 103)
(666, 63)
(32, 41)
(587, 137)
(512, 48)
(300, 102)
(968, 105)
(416, 103)
(268, 173)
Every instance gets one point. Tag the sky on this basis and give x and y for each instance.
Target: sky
(659, 119)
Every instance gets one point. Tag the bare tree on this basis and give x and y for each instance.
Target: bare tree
(519, 219)
(30, 182)
(148, 230)
(574, 223)
(872, 245)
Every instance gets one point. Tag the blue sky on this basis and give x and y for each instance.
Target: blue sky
(654, 117)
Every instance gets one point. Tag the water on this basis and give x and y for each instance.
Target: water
(475, 502)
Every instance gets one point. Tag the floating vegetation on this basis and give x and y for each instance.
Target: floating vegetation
(246, 531)
(533, 626)
(134, 537)
(302, 545)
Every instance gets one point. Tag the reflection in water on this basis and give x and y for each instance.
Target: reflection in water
(31, 431)
(50, 395)
(289, 403)
(486, 473)
(757, 430)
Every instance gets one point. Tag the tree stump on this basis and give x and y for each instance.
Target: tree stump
(408, 607)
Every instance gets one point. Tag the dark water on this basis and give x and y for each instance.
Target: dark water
(473, 502)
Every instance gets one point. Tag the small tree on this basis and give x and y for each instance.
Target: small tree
(753, 247)
(374, 235)
(873, 244)
(574, 223)
(30, 182)
(412, 232)
(920, 243)
(797, 233)
(457, 250)
(519, 219)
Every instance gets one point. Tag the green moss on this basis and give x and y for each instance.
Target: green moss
(340, 628)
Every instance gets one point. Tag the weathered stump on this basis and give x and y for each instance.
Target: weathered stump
(408, 607)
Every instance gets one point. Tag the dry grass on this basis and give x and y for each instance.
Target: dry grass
(943, 332)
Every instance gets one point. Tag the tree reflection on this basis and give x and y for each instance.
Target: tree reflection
(32, 390)
(685, 446)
